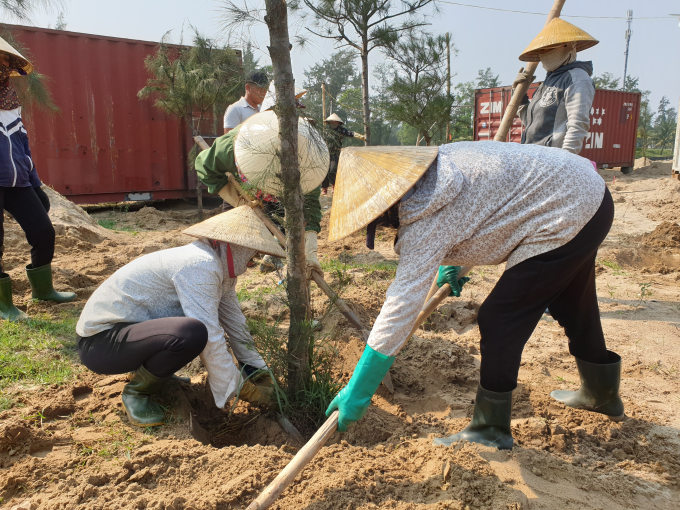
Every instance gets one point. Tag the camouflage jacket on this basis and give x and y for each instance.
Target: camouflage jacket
(334, 139)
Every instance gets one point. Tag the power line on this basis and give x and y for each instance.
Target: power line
(545, 13)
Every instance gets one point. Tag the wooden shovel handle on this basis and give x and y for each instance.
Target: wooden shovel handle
(295, 466)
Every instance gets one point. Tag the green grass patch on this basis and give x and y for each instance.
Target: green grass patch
(258, 294)
(387, 269)
(110, 224)
(618, 270)
(654, 153)
(36, 351)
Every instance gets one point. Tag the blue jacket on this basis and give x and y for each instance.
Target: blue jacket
(16, 166)
(559, 112)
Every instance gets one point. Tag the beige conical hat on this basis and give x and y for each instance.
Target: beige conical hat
(370, 180)
(5, 47)
(555, 33)
(334, 118)
(258, 145)
(239, 226)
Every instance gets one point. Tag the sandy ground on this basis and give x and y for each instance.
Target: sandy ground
(84, 454)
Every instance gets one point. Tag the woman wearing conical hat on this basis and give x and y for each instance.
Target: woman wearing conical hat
(484, 203)
(20, 192)
(160, 311)
(250, 152)
(558, 114)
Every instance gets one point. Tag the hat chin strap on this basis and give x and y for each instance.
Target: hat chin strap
(230, 262)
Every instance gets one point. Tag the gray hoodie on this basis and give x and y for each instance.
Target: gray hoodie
(559, 112)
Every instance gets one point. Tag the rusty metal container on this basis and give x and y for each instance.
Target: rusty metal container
(105, 145)
(613, 123)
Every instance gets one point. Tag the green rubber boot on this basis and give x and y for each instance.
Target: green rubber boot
(138, 402)
(490, 423)
(8, 311)
(40, 279)
(599, 391)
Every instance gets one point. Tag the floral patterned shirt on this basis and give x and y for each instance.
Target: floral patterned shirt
(8, 96)
(483, 203)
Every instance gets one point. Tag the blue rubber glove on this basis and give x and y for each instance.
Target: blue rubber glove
(354, 399)
(449, 274)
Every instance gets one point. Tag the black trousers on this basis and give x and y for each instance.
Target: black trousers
(162, 346)
(329, 180)
(29, 206)
(562, 280)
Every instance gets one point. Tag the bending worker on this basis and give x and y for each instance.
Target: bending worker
(558, 114)
(334, 135)
(258, 137)
(484, 203)
(21, 194)
(160, 311)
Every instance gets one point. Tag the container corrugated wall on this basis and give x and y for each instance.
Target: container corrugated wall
(613, 123)
(105, 145)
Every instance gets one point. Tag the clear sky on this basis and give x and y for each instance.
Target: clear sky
(484, 38)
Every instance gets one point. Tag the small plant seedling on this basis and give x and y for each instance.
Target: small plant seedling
(644, 293)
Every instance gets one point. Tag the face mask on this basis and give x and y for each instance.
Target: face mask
(236, 257)
(556, 58)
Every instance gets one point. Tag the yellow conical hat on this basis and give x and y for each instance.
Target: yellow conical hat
(257, 150)
(555, 33)
(370, 180)
(238, 226)
(19, 59)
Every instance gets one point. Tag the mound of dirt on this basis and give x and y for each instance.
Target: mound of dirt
(666, 235)
(72, 220)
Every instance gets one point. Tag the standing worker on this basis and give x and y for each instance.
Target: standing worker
(484, 203)
(21, 194)
(558, 114)
(240, 111)
(334, 136)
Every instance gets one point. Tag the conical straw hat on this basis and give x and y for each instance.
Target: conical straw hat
(370, 180)
(21, 60)
(239, 226)
(257, 145)
(557, 32)
(334, 118)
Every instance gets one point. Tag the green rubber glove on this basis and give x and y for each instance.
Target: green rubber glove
(354, 399)
(449, 274)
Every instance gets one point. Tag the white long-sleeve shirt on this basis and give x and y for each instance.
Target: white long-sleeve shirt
(483, 203)
(189, 281)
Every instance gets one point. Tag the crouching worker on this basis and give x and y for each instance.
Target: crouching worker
(483, 203)
(157, 313)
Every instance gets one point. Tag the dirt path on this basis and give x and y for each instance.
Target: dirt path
(83, 454)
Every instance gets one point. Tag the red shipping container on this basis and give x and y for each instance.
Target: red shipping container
(613, 123)
(105, 145)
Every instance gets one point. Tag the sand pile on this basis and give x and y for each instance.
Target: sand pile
(666, 235)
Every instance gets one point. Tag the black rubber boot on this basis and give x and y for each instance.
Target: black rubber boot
(599, 391)
(490, 423)
(138, 402)
(40, 279)
(8, 311)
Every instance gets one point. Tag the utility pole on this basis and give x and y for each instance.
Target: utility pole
(676, 151)
(628, 34)
(323, 101)
(448, 84)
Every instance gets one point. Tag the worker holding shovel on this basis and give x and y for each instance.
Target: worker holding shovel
(160, 311)
(21, 194)
(558, 114)
(484, 203)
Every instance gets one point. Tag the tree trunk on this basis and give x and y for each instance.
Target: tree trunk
(364, 91)
(199, 198)
(293, 201)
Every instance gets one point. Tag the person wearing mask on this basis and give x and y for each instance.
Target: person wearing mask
(21, 194)
(157, 313)
(558, 114)
(334, 135)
